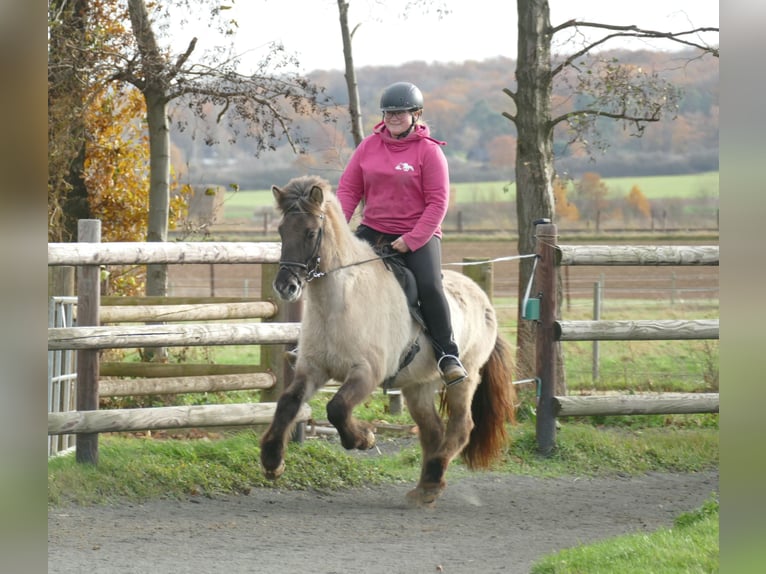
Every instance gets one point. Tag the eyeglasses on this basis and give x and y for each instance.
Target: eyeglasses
(396, 114)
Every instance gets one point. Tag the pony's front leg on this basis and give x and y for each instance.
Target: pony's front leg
(353, 433)
(274, 441)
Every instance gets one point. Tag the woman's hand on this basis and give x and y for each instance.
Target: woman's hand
(399, 245)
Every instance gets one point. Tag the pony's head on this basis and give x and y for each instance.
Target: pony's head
(301, 203)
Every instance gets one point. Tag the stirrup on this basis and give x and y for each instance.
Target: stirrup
(454, 374)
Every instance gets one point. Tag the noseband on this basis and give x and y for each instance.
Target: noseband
(311, 267)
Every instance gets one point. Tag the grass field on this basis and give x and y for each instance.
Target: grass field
(243, 204)
(654, 187)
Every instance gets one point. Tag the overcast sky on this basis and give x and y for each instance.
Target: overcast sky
(475, 30)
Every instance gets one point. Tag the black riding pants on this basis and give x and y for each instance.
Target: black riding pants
(425, 264)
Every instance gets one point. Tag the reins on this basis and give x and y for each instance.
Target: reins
(318, 274)
(314, 272)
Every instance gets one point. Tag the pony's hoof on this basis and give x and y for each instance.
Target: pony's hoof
(420, 497)
(368, 441)
(275, 473)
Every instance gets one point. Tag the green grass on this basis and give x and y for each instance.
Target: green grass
(141, 468)
(634, 366)
(653, 187)
(690, 546)
(243, 204)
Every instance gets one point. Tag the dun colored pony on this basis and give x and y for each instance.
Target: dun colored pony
(356, 329)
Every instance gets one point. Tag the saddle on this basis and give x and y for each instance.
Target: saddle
(394, 262)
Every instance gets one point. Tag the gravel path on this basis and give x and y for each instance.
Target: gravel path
(484, 522)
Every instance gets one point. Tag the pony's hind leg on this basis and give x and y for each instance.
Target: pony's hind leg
(353, 433)
(274, 440)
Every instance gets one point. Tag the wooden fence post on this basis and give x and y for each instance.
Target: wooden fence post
(481, 273)
(597, 292)
(547, 237)
(88, 302)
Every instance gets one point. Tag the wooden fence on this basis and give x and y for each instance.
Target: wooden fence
(550, 331)
(281, 325)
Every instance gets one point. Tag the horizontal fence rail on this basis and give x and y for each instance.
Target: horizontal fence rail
(661, 330)
(181, 385)
(163, 370)
(137, 253)
(667, 403)
(202, 312)
(638, 255)
(155, 418)
(172, 335)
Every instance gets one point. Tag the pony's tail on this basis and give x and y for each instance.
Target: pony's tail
(494, 404)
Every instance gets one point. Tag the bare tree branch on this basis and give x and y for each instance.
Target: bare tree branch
(183, 58)
(630, 32)
(602, 113)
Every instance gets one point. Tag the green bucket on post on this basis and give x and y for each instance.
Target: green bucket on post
(531, 309)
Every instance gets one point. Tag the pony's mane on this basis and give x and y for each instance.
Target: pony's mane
(295, 196)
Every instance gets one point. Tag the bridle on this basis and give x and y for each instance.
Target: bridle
(311, 267)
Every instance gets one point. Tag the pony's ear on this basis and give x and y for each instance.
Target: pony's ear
(276, 192)
(316, 195)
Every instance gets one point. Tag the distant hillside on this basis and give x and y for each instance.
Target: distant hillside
(464, 103)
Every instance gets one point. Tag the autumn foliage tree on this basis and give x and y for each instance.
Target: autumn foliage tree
(564, 208)
(121, 45)
(638, 204)
(115, 174)
(592, 194)
(97, 137)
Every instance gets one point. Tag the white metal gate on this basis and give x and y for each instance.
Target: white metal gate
(62, 372)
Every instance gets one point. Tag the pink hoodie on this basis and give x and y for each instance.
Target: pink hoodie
(404, 184)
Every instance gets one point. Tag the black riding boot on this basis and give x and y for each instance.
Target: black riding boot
(448, 363)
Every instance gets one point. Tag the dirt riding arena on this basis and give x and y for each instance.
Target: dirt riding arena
(485, 522)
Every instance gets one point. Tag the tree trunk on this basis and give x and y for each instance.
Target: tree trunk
(155, 89)
(354, 107)
(159, 184)
(66, 131)
(534, 159)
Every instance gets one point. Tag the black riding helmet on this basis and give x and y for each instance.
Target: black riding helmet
(401, 96)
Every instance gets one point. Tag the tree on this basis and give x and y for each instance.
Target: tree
(564, 208)
(102, 54)
(67, 81)
(354, 106)
(352, 87)
(267, 100)
(591, 193)
(97, 144)
(609, 91)
(116, 161)
(638, 203)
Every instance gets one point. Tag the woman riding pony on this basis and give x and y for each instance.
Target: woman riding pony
(400, 174)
